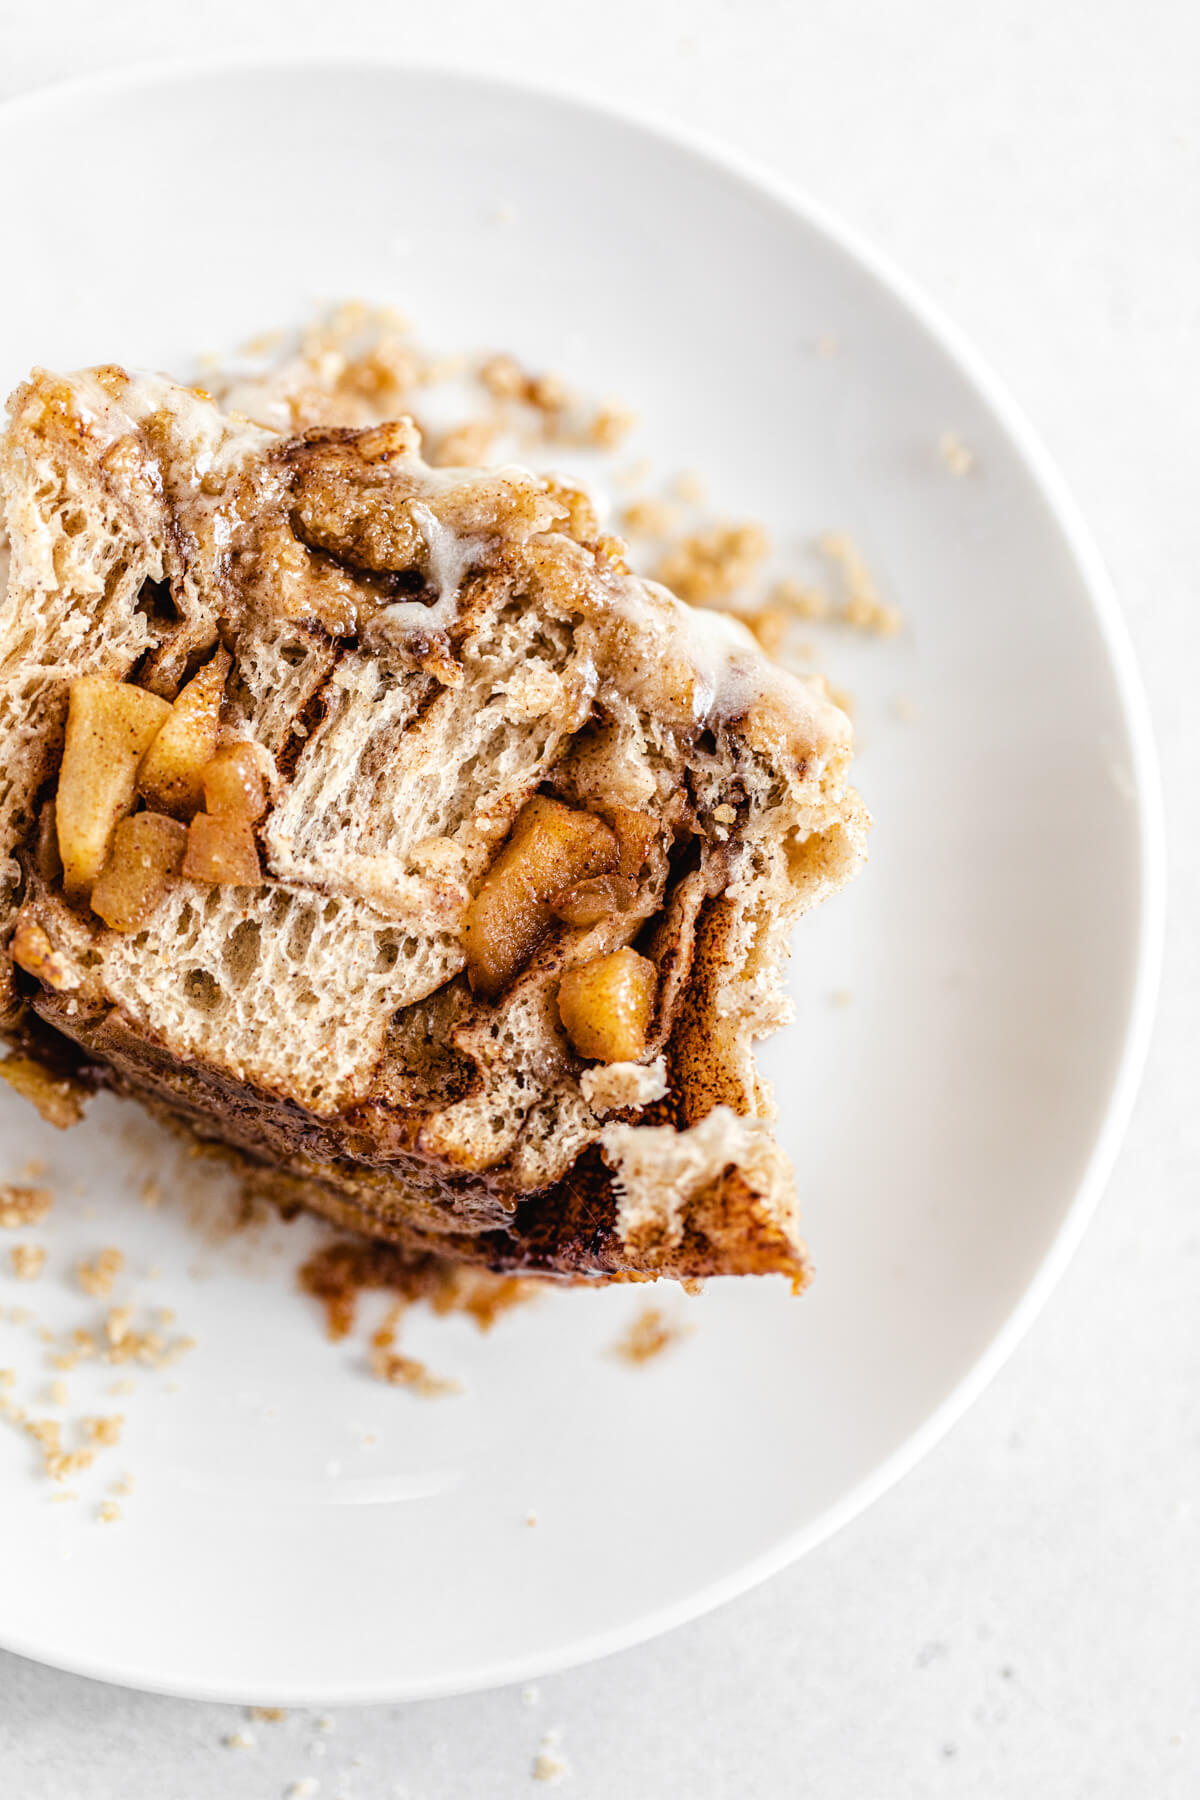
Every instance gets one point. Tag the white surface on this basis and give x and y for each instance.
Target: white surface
(991, 951)
(1017, 1617)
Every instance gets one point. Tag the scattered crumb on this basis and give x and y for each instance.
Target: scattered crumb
(710, 565)
(907, 711)
(127, 1344)
(800, 599)
(28, 1261)
(861, 608)
(271, 1715)
(58, 1393)
(97, 1278)
(634, 474)
(346, 1267)
(770, 626)
(549, 1764)
(241, 1740)
(108, 1512)
(648, 518)
(303, 1789)
(840, 997)
(64, 1494)
(105, 1430)
(59, 1101)
(325, 1723)
(689, 487)
(467, 446)
(150, 1193)
(125, 1385)
(649, 1335)
(530, 1695)
(827, 345)
(34, 1168)
(122, 1486)
(23, 1205)
(611, 425)
(531, 1518)
(954, 453)
(389, 1365)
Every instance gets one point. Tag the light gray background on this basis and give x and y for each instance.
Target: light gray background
(1019, 1617)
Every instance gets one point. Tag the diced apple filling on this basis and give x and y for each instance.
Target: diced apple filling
(606, 1006)
(171, 777)
(110, 726)
(551, 847)
(147, 854)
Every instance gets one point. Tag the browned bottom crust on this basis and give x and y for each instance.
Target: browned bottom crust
(288, 1156)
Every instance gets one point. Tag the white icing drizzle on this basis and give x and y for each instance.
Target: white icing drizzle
(450, 556)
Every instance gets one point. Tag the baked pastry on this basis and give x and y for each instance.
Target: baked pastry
(374, 822)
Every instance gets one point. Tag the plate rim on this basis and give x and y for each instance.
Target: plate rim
(937, 326)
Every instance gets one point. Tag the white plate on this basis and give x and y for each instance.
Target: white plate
(951, 1125)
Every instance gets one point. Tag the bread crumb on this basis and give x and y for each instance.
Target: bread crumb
(800, 599)
(325, 1723)
(906, 710)
(28, 1261)
(97, 1278)
(689, 487)
(150, 1193)
(840, 997)
(609, 1087)
(344, 1268)
(861, 608)
(304, 1789)
(530, 1694)
(708, 566)
(634, 474)
(58, 1393)
(389, 1365)
(649, 1335)
(104, 1430)
(770, 626)
(271, 1714)
(123, 1486)
(611, 425)
(467, 446)
(531, 1518)
(241, 1740)
(549, 1764)
(23, 1205)
(503, 377)
(108, 1512)
(648, 518)
(59, 1101)
(955, 454)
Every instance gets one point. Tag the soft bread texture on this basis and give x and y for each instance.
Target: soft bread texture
(416, 654)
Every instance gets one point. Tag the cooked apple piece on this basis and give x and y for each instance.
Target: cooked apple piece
(222, 850)
(110, 726)
(171, 775)
(606, 1006)
(590, 901)
(636, 831)
(33, 952)
(146, 856)
(234, 785)
(550, 848)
